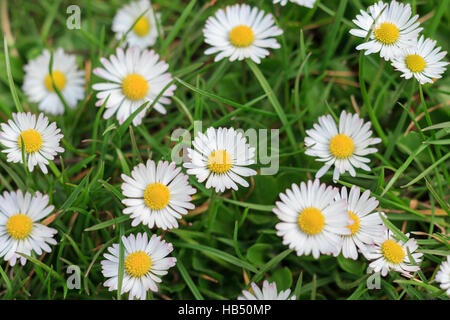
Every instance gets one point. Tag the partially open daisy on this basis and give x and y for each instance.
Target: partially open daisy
(145, 261)
(343, 147)
(268, 292)
(157, 194)
(38, 140)
(305, 3)
(423, 61)
(136, 77)
(391, 28)
(367, 226)
(38, 84)
(145, 32)
(239, 32)
(20, 227)
(221, 157)
(443, 275)
(312, 221)
(392, 254)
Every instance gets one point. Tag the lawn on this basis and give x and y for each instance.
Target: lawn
(230, 239)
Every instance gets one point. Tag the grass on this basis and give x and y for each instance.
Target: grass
(230, 238)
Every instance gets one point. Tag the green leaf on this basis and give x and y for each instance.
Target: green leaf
(283, 278)
(351, 266)
(12, 87)
(257, 253)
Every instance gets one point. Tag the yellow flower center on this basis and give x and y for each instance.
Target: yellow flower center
(241, 36)
(19, 226)
(58, 77)
(137, 264)
(341, 146)
(354, 228)
(134, 86)
(220, 161)
(311, 221)
(387, 33)
(415, 63)
(32, 140)
(156, 196)
(392, 251)
(142, 27)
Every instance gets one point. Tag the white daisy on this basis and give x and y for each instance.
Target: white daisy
(40, 140)
(343, 147)
(305, 3)
(422, 61)
(38, 85)
(312, 220)
(269, 292)
(391, 254)
(391, 28)
(220, 157)
(239, 32)
(144, 32)
(367, 227)
(157, 194)
(443, 275)
(145, 261)
(20, 227)
(136, 77)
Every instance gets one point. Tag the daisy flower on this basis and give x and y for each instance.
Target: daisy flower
(239, 32)
(157, 194)
(221, 157)
(391, 254)
(145, 261)
(443, 275)
(422, 62)
(312, 221)
(144, 32)
(343, 147)
(38, 85)
(367, 226)
(20, 227)
(305, 3)
(38, 140)
(390, 26)
(135, 77)
(269, 292)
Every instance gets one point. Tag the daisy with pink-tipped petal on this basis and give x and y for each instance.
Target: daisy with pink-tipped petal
(443, 276)
(392, 254)
(268, 292)
(423, 61)
(304, 3)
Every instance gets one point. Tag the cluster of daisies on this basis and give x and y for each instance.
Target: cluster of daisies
(391, 30)
(315, 219)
